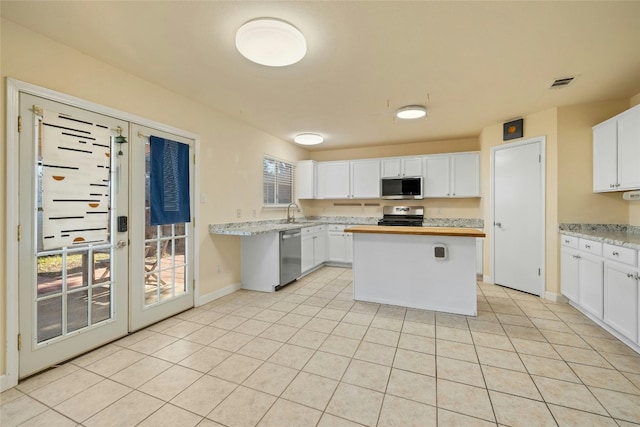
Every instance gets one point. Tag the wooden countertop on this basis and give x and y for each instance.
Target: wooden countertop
(418, 231)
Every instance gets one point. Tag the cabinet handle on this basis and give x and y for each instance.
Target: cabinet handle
(611, 186)
(614, 253)
(577, 256)
(631, 276)
(567, 241)
(617, 185)
(587, 246)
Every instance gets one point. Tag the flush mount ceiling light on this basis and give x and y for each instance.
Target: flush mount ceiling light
(411, 112)
(308, 139)
(271, 42)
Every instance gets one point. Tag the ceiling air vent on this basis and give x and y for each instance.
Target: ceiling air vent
(560, 83)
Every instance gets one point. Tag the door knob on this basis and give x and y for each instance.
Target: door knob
(497, 224)
(121, 244)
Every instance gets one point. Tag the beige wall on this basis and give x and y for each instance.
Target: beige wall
(230, 156)
(434, 208)
(634, 207)
(577, 203)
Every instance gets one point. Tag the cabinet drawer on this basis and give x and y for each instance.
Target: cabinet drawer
(569, 241)
(591, 246)
(620, 254)
(336, 227)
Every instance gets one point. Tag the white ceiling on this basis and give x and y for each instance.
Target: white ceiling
(473, 64)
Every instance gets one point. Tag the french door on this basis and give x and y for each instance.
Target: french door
(92, 266)
(73, 259)
(164, 285)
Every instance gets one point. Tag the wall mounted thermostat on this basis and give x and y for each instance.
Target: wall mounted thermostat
(440, 251)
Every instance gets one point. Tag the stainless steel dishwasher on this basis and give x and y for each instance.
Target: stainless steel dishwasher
(290, 256)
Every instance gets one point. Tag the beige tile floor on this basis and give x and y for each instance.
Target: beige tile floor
(311, 356)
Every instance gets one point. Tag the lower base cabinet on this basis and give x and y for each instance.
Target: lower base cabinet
(621, 299)
(603, 281)
(314, 247)
(340, 245)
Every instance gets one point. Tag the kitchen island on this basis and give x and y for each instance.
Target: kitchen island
(429, 268)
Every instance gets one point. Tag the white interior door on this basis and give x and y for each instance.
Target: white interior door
(518, 215)
(73, 260)
(161, 255)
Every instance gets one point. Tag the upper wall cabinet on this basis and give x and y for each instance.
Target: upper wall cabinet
(616, 152)
(307, 171)
(357, 179)
(398, 167)
(452, 175)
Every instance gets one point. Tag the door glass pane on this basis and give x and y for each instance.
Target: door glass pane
(49, 274)
(49, 313)
(77, 310)
(101, 266)
(101, 303)
(77, 270)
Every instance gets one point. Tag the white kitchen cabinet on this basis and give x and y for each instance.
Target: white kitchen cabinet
(307, 178)
(314, 251)
(401, 166)
(570, 274)
(357, 179)
(591, 293)
(452, 175)
(365, 179)
(621, 298)
(616, 152)
(581, 273)
(340, 245)
(334, 180)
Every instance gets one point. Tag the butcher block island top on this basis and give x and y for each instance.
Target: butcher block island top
(430, 268)
(418, 231)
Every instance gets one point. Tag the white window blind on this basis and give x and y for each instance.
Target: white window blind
(277, 178)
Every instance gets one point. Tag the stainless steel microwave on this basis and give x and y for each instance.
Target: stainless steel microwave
(408, 187)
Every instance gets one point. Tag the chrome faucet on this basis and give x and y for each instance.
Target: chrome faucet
(291, 217)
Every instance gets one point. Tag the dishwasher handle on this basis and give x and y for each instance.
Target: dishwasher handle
(290, 236)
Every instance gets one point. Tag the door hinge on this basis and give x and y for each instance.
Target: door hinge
(538, 272)
(539, 158)
(19, 342)
(194, 285)
(19, 124)
(19, 232)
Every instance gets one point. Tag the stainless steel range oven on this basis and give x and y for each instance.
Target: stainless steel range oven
(411, 216)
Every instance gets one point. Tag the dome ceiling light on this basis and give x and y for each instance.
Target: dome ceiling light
(271, 42)
(411, 112)
(308, 139)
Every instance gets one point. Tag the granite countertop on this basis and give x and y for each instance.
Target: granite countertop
(253, 228)
(614, 234)
(416, 231)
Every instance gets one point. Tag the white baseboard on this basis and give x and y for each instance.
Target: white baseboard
(552, 296)
(204, 299)
(487, 279)
(7, 382)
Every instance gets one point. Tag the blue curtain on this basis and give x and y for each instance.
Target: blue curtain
(169, 182)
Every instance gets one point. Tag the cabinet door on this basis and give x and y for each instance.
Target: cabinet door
(307, 252)
(319, 248)
(365, 179)
(412, 166)
(605, 156)
(465, 175)
(621, 299)
(569, 273)
(629, 149)
(391, 168)
(306, 172)
(436, 178)
(337, 248)
(334, 180)
(591, 284)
